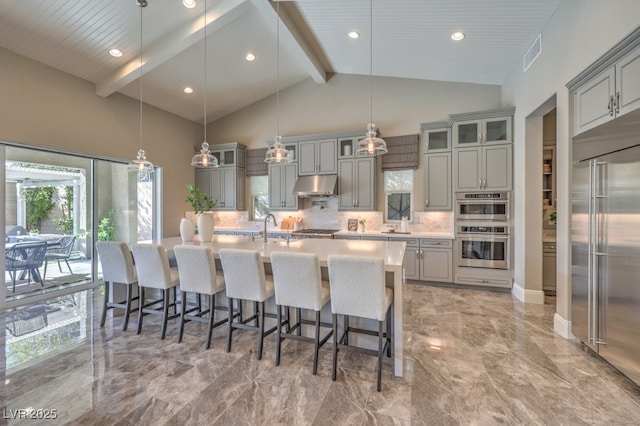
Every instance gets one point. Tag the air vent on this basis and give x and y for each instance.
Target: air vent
(533, 52)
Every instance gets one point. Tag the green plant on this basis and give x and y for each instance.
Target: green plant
(553, 217)
(200, 201)
(106, 227)
(65, 223)
(362, 221)
(38, 205)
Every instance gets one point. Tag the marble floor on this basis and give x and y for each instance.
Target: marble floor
(472, 357)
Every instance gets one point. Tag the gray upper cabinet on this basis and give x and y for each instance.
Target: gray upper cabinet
(437, 187)
(282, 178)
(318, 157)
(483, 168)
(436, 137)
(610, 94)
(357, 184)
(482, 131)
(225, 184)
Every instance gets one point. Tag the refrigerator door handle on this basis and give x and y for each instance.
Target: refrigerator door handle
(590, 250)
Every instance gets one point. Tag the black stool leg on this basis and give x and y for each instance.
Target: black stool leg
(316, 348)
(389, 333)
(255, 311)
(261, 325)
(299, 318)
(334, 318)
(278, 333)
(140, 306)
(127, 306)
(212, 304)
(166, 296)
(380, 352)
(346, 329)
(230, 329)
(183, 311)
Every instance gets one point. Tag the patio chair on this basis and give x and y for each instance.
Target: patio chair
(26, 258)
(60, 251)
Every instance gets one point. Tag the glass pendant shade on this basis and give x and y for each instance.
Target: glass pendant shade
(371, 144)
(140, 164)
(204, 158)
(277, 153)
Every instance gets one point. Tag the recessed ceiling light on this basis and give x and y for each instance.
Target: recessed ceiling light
(190, 4)
(353, 34)
(115, 53)
(457, 36)
(250, 57)
(188, 90)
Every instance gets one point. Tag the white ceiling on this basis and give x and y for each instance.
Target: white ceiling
(411, 39)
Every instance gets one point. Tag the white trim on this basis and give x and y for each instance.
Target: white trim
(562, 327)
(528, 296)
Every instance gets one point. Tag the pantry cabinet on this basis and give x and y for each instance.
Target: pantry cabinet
(357, 183)
(282, 178)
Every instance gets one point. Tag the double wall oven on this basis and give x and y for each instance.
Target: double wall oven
(482, 230)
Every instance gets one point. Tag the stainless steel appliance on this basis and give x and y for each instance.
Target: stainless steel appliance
(314, 233)
(605, 245)
(483, 246)
(492, 206)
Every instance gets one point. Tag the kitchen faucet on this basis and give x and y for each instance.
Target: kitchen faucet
(275, 223)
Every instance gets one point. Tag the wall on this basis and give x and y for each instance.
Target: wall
(579, 32)
(342, 104)
(44, 107)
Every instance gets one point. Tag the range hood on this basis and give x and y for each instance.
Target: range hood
(316, 186)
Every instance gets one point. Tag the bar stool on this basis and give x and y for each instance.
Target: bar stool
(358, 289)
(117, 268)
(152, 265)
(298, 284)
(245, 280)
(197, 272)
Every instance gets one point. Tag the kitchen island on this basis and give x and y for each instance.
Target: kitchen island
(391, 252)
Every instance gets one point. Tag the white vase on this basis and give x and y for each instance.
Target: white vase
(361, 227)
(187, 229)
(205, 226)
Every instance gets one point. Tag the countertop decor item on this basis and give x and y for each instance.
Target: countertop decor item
(187, 229)
(204, 158)
(201, 204)
(140, 164)
(362, 223)
(352, 225)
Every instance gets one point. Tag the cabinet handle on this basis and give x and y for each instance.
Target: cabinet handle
(617, 102)
(426, 202)
(610, 105)
(418, 254)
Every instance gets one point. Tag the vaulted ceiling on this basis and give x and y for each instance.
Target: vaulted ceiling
(411, 39)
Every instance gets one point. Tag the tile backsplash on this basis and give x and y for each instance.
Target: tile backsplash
(323, 213)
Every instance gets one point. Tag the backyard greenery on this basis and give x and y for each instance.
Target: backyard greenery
(38, 205)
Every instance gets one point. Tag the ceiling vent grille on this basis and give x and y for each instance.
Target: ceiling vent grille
(533, 52)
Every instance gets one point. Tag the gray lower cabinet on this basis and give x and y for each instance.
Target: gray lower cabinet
(437, 181)
(224, 184)
(483, 168)
(357, 183)
(427, 259)
(346, 237)
(282, 178)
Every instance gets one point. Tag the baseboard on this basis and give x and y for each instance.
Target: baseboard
(562, 327)
(528, 296)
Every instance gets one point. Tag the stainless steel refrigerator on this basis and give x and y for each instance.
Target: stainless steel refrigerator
(605, 247)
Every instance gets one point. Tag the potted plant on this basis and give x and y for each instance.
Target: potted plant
(362, 222)
(201, 204)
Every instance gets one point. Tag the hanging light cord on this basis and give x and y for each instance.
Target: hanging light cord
(278, 69)
(205, 71)
(371, 61)
(141, 4)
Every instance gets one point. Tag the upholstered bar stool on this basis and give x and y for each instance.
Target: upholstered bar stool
(197, 271)
(117, 268)
(358, 289)
(245, 280)
(152, 265)
(298, 284)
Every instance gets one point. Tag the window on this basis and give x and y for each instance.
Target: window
(259, 197)
(398, 194)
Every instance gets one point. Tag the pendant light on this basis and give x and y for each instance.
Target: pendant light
(277, 153)
(204, 158)
(140, 163)
(371, 144)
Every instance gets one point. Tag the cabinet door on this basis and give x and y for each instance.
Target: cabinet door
(346, 185)
(497, 164)
(628, 83)
(228, 189)
(365, 183)
(276, 172)
(290, 176)
(436, 265)
(467, 133)
(217, 186)
(239, 188)
(203, 180)
(327, 157)
(307, 160)
(467, 169)
(436, 140)
(410, 263)
(593, 102)
(496, 130)
(438, 181)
